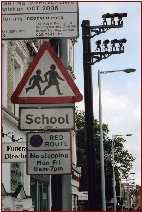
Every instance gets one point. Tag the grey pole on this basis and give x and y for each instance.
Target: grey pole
(101, 147)
(128, 70)
(114, 183)
(49, 200)
(66, 179)
(128, 202)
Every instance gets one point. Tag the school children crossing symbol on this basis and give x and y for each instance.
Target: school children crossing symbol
(46, 81)
(53, 80)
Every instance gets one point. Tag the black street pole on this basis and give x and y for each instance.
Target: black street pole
(89, 118)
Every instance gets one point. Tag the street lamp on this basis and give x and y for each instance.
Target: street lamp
(101, 132)
(113, 162)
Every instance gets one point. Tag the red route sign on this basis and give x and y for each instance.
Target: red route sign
(46, 81)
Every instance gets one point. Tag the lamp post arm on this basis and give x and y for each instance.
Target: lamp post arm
(107, 72)
(127, 70)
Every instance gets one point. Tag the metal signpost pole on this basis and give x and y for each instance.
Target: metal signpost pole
(88, 99)
(66, 179)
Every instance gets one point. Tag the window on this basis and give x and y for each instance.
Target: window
(19, 59)
(16, 175)
(16, 80)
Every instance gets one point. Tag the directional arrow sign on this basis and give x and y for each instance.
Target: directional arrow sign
(46, 81)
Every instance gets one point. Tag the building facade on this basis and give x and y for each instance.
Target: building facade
(15, 182)
(131, 195)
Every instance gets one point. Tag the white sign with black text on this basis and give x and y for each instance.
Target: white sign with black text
(38, 20)
(49, 162)
(42, 118)
(13, 152)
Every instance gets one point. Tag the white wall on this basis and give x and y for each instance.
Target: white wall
(9, 125)
(4, 73)
(6, 176)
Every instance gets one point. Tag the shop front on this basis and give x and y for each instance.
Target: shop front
(39, 187)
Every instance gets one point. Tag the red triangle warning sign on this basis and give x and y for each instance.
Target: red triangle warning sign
(46, 81)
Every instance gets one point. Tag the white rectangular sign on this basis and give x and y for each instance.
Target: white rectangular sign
(48, 141)
(82, 196)
(49, 162)
(46, 118)
(13, 152)
(38, 20)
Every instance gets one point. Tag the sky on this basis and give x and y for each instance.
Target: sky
(120, 91)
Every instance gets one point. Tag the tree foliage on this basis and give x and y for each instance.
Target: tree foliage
(123, 159)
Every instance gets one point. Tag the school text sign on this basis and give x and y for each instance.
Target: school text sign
(42, 118)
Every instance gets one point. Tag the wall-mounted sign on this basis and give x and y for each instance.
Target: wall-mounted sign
(38, 20)
(13, 152)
